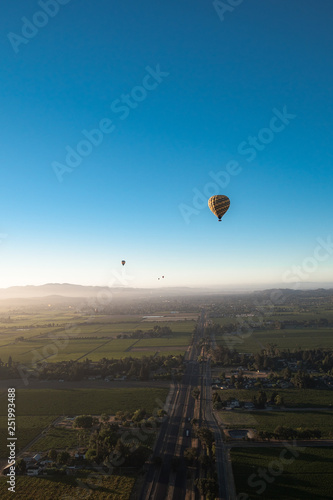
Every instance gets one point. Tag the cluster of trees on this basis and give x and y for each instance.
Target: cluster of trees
(155, 332)
(271, 356)
(132, 368)
(124, 442)
(259, 400)
(8, 370)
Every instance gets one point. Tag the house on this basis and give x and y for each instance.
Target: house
(33, 470)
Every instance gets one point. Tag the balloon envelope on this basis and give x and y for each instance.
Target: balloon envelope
(219, 204)
(123, 262)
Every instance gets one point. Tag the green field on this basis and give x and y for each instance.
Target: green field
(36, 409)
(83, 401)
(27, 428)
(112, 487)
(57, 438)
(95, 340)
(308, 475)
(289, 338)
(293, 398)
(269, 420)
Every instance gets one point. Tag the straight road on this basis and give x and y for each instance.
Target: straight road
(172, 480)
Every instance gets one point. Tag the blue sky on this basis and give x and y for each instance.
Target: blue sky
(178, 90)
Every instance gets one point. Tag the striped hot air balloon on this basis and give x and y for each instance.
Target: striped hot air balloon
(219, 204)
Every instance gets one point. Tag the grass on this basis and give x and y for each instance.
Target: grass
(268, 421)
(27, 428)
(112, 487)
(307, 475)
(58, 439)
(288, 338)
(84, 401)
(293, 398)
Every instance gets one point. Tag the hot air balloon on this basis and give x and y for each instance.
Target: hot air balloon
(219, 204)
(123, 262)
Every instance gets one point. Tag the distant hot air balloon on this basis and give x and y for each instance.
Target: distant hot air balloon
(123, 262)
(162, 276)
(219, 204)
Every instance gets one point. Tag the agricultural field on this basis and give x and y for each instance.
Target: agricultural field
(37, 409)
(27, 428)
(84, 401)
(289, 338)
(269, 420)
(112, 487)
(57, 438)
(293, 398)
(95, 340)
(300, 474)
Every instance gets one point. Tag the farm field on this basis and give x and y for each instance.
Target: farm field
(83, 401)
(111, 487)
(27, 428)
(269, 420)
(94, 341)
(307, 476)
(36, 409)
(293, 398)
(289, 338)
(58, 439)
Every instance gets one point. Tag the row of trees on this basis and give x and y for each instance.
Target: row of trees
(287, 433)
(259, 400)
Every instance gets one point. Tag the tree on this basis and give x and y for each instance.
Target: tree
(206, 462)
(105, 418)
(85, 421)
(144, 372)
(195, 393)
(190, 455)
(262, 399)
(208, 488)
(91, 454)
(63, 457)
(53, 454)
(21, 466)
(216, 397)
(206, 436)
(279, 401)
(138, 415)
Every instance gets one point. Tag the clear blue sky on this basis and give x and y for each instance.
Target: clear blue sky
(179, 90)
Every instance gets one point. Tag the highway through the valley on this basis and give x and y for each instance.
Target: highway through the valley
(173, 479)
